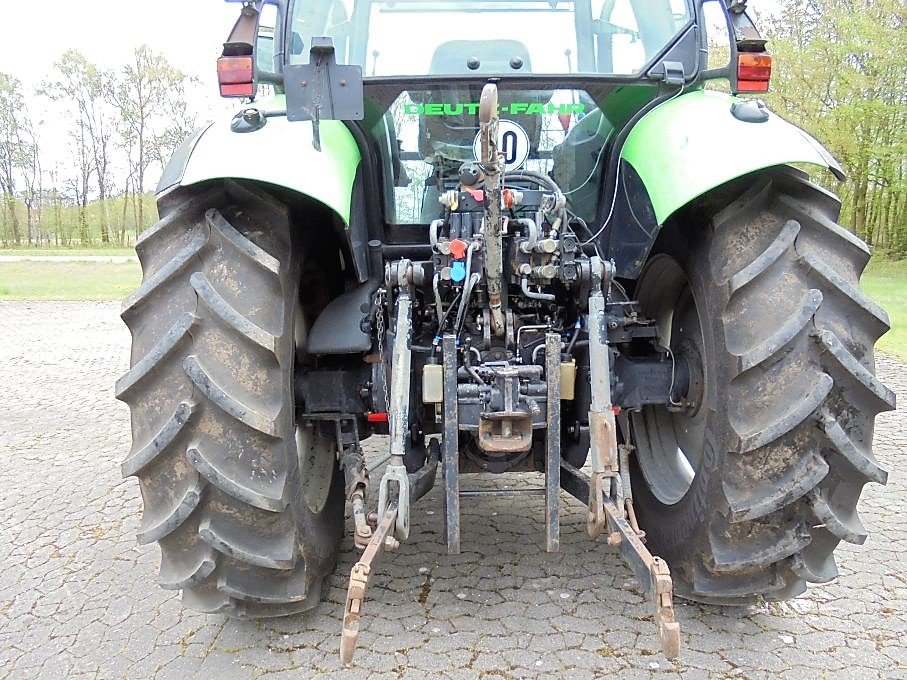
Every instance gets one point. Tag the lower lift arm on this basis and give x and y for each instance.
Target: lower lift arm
(602, 492)
(359, 577)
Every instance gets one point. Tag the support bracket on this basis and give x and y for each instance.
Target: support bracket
(553, 443)
(602, 428)
(451, 455)
(402, 274)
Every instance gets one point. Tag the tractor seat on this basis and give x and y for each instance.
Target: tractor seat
(495, 56)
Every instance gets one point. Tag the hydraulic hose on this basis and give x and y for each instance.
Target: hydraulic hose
(464, 302)
(438, 305)
(576, 329)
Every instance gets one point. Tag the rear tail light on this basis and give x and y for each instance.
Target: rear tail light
(754, 71)
(236, 76)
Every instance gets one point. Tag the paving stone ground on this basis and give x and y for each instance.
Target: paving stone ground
(77, 595)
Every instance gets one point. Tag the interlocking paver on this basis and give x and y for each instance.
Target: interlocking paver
(78, 598)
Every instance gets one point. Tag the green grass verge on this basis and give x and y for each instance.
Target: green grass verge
(71, 252)
(885, 281)
(68, 280)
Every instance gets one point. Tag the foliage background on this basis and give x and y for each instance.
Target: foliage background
(840, 72)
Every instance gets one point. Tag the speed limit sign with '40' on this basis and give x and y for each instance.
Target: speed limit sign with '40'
(513, 144)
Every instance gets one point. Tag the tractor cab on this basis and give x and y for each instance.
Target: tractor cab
(390, 38)
(569, 74)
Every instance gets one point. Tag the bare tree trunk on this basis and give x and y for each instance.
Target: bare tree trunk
(102, 205)
(139, 193)
(84, 236)
(125, 208)
(4, 226)
(28, 222)
(14, 219)
(58, 219)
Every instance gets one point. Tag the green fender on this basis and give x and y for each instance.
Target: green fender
(693, 143)
(281, 153)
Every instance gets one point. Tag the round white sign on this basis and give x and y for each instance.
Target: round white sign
(513, 144)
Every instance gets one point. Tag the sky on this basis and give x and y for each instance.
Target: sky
(36, 33)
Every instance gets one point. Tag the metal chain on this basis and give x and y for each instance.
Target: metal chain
(379, 321)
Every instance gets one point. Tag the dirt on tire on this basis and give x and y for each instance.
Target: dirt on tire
(210, 390)
(792, 395)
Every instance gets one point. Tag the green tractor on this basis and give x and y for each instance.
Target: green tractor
(513, 235)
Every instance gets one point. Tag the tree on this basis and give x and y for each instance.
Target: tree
(87, 91)
(154, 118)
(79, 185)
(55, 203)
(13, 127)
(33, 178)
(840, 73)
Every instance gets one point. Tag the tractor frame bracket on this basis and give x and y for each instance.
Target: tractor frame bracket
(323, 89)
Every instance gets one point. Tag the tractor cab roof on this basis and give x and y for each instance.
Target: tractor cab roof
(490, 37)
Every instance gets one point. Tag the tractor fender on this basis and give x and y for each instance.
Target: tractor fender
(280, 153)
(283, 154)
(694, 143)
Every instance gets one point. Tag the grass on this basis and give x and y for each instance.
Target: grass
(885, 281)
(68, 280)
(72, 252)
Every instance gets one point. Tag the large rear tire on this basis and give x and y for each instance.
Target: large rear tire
(747, 490)
(246, 508)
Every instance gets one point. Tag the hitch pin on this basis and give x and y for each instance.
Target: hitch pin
(359, 578)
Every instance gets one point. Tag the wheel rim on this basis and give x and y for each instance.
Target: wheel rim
(315, 453)
(669, 440)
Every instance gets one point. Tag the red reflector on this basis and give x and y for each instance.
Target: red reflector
(242, 90)
(752, 86)
(377, 417)
(236, 76)
(754, 71)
